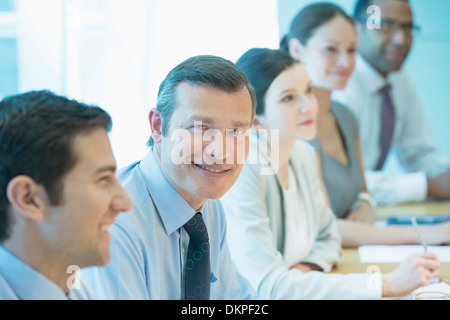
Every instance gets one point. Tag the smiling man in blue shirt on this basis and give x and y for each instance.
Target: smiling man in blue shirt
(59, 195)
(149, 259)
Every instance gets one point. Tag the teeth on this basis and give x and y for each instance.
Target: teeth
(212, 170)
(107, 228)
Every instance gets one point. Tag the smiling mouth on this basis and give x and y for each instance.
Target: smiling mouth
(307, 123)
(212, 169)
(106, 228)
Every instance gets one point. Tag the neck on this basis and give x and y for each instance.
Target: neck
(32, 250)
(382, 73)
(285, 153)
(323, 97)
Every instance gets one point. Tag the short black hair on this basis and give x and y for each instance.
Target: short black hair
(37, 130)
(360, 10)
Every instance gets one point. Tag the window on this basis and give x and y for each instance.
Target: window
(8, 48)
(115, 53)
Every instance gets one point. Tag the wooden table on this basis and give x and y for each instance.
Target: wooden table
(350, 262)
(426, 208)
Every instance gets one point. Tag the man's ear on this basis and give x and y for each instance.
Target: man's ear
(27, 198)
(295, 49)
(155, 121)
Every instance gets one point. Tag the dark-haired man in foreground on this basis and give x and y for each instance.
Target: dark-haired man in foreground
(59, 195)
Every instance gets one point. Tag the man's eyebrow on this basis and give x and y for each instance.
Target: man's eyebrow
(241, 124)
(107, 168)
(196, 118)
(209, 120)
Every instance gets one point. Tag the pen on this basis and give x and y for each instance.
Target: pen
(416, 226)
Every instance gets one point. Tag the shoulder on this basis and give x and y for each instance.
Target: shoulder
(214, 213)
(345, 117)
(304, 151)
(6, 292)
(258, 163)
(132, 181)
(304, 159)
(84, 292)
(138, 225)
(134, 184)
(401, 77)
(403, 86)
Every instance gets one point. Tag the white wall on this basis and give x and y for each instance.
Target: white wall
(115, 53)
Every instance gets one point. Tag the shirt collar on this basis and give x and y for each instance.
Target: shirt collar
(26, 282)
(373, 80)
(171, 206)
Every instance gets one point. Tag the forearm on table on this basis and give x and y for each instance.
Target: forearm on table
(356, 234)
(439, 187)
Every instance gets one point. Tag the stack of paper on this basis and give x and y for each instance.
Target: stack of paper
(396, 254)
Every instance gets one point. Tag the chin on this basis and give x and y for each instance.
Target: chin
(307, 136)
(395, 67)
(213, 191)
(212, 194)
(341, 85)
(392, 66)
(102, 258)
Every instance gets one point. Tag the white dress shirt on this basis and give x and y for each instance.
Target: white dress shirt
(412, 143)
(19, 281)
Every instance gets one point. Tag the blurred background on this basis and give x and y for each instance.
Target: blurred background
(115, 53)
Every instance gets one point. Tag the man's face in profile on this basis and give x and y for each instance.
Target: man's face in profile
(92, 198)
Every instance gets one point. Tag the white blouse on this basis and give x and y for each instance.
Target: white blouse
(297, 243)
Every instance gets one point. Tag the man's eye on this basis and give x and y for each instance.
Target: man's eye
(237, 131)
(199, 127)
(104, 179)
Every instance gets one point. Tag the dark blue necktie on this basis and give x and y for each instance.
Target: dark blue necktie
(387, 126)
(198, 269)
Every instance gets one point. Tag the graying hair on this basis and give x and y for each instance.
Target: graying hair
(205, 70)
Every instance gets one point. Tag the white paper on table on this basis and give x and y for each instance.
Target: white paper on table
(441, 287)
(396, 254)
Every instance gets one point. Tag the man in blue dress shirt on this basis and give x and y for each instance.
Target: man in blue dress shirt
(59, 195)
(199, 140)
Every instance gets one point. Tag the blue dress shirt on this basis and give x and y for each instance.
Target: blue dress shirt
(18, 281)
(149, 247)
